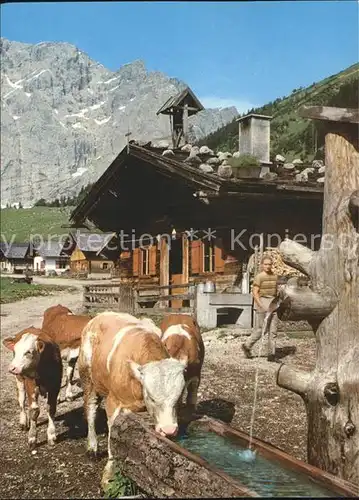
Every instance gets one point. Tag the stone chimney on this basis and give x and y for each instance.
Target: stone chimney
(254, 136)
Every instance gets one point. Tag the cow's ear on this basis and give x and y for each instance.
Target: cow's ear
(9, 343)
(136, 370)
(40, 345)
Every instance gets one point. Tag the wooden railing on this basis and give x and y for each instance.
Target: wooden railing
(143, 299)
(159, 298)
(110, 297)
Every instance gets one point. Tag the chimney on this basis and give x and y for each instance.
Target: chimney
(254, 136)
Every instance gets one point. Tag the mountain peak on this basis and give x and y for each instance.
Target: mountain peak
(65, 117)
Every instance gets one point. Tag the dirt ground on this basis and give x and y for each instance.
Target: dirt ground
(226, 392)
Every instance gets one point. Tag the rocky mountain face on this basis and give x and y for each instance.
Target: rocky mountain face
(64, 117)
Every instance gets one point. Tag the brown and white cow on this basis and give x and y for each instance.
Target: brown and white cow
(37, 366)
(65, 328)
(123, 359)
(183, 340)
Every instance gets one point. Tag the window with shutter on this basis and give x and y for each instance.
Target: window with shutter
(196, 247)
(218, 260)
(208, 256)
(136, 262)
(144, 261)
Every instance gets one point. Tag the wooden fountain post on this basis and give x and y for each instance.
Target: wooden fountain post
(330, 304)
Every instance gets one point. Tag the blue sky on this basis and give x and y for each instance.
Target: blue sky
(244, 54)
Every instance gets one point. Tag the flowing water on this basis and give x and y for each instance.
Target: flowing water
(266, 477)
(266, 325)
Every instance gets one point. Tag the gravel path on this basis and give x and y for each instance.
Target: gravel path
(226, 392)
(60, 472)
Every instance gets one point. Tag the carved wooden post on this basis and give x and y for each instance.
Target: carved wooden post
(330, 304)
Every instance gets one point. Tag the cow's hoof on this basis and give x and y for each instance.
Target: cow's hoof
(108, 474)
(51, 441)
(24, 427)
(92, 454)
(32, 444)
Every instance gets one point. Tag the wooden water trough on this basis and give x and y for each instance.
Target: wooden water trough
(163, 468)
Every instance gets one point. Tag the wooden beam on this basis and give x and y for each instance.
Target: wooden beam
(327, 113)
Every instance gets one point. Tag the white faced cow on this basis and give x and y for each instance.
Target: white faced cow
(37, 366)
(183, 340)
(123, 359)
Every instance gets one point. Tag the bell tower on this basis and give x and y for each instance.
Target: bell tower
(180, 108)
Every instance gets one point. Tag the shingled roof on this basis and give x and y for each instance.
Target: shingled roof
(16, 250)
(92, 242)
(107, 204)
(178, 101)
(50, 249)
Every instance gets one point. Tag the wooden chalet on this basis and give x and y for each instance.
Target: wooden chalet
(158, 199)
(91, 252)
(16, 258)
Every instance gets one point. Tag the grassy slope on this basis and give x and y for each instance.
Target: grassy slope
(11, 292)
(291, 135)
(37, 220)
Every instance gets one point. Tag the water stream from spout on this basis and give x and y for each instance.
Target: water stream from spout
(265, 328)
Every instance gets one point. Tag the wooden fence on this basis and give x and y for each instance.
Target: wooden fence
(109, 297)
(151, 299)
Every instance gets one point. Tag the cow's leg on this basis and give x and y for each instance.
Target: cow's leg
(51, 412)
(71, 362)
(21, 398)
(192, 390)
(112, 410)
(91, 404)
(32, 395)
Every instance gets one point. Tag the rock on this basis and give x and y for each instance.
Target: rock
(186, 148)
(237, 154)
(224, 156)
(193, 160)
(297, 161)
(207, 169)
(225, 171)
(213, 161)
(161, 144)
(194, 151)
(321, 180)
(301, 177)
(321, 170)
(289, 166)
(205, 150)
(308, 171)
(317, 163)
(270, 176)
(279, 159)
(168, 152)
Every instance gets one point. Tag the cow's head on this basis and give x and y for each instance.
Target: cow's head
(163, 384)
(27, 350)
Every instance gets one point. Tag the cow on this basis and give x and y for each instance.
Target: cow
(182, 338)
(123, 360)
(65, 328)
(37, 366)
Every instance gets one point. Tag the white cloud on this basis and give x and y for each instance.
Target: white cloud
(221, 102)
